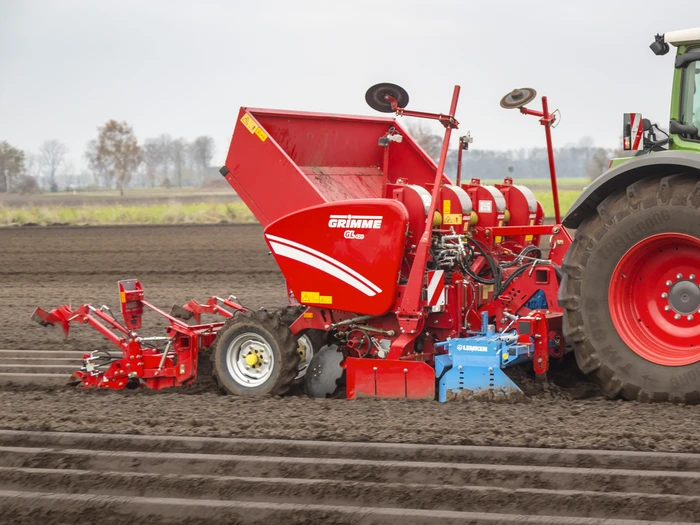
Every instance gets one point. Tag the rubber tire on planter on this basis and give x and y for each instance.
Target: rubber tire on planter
(316, 338)
(326, 375)
(649, 207)
(280, 341)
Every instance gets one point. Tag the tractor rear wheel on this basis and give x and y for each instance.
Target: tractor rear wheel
(631, 291)
(255, 354)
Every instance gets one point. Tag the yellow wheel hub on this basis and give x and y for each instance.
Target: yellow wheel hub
(251, 359)
(301, 350)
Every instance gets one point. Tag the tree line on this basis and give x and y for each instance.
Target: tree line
(580, 160)
(18, 170)
(115, 159)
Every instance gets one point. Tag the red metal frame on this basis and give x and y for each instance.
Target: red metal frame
(293, 169)
(547, 119)
(410, 314)
(141, 364)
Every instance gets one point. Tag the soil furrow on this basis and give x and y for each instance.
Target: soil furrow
(339, 483)
(83, 509)
(496, 455)
(468, 467)
(335, 492)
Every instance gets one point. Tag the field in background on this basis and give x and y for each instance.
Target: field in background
(179, 206)
(563, 183)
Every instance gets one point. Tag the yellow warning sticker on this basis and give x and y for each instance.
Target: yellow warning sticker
(316, 298)
(446, 206)
(485, 291)
(528, 238)
(498, 240)
(247, 121)
(261, 134)
(310, 297)
(452, 218)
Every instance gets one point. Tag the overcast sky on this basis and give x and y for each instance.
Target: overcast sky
(184, 68)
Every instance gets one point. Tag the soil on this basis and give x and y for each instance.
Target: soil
(49, 266)
(139, 479)
(74, 479)
(222, 195)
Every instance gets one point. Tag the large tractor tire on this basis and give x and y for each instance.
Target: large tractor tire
(255, 354)
(631, 295)
(308, 343)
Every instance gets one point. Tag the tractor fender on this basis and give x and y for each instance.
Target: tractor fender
(663, 163)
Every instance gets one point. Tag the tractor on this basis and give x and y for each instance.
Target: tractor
(405, 284)
(630, 285)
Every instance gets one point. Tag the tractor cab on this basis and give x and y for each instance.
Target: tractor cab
(685, 101)
(640, 136)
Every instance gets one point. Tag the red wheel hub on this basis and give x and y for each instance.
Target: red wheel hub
(654, 299)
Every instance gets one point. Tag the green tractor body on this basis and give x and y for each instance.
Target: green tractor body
(685, 96)
(630, 279)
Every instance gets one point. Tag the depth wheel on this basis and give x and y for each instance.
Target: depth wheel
(255, 354)
(308, 343)
(326, 374)
(631, 293)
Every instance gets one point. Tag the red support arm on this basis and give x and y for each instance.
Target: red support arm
(410, 314)
(547, 119)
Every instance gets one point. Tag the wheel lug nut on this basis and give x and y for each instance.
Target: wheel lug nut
(668, 283)
(677, 316)
(664, 295)
(690, 317)
(679, 276)
(692, 277)
(667, 308)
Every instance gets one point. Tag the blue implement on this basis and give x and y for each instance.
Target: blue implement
(475, 364)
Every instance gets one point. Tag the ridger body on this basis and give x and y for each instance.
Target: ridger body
(403, 284)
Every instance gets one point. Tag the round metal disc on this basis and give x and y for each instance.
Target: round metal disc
(324, 372)
(375, 97)
(518, 98)
(684, 297)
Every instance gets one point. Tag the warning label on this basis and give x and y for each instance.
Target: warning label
(316, 298)
(251, 126)
(247, 121)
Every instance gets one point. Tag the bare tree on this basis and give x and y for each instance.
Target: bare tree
(116, 152)
(52, 154)
(32, 165)
(163, 143)
(99, 171)
(598, 163)
(600, 160)
(11, 166)
(202, 152)
(430, 142)
(178, 158)
(154, 157)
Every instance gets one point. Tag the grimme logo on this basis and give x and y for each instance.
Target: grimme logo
(366, 222)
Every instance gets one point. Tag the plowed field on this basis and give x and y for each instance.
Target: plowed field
(152, 476)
